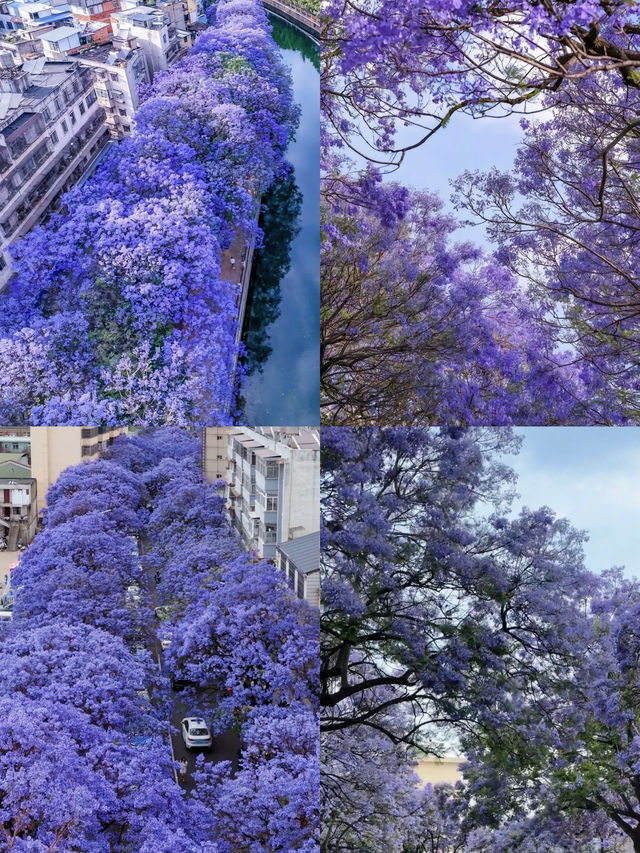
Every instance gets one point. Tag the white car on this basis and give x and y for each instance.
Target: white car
(133, 595)
(195, 733)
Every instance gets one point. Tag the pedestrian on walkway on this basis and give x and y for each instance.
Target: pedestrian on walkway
(182, 769)
(232, 261)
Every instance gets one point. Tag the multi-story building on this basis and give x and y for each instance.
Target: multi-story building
(51, 130)
(15, 441)
(155, 32)
(119, 73)
(273, 477)
(84, 11)
(35, 17)
(61, 42)
(299, 561)
(55, 448)
(7, 25)
(18, 503)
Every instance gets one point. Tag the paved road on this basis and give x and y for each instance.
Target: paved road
(226, 747)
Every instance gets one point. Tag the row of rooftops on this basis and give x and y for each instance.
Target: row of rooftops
(42, 78)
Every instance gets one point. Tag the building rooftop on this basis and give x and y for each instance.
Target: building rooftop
(17, 123)
(303, 552)
(12, 457)
(45, 76)
(60, 33)
(105, 54)
(10, 469)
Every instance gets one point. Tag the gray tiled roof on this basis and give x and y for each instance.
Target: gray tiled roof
(304, 552)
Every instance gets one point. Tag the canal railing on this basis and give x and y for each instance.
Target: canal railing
(293, 14)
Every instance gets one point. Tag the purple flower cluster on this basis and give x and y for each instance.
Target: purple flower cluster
(419, 63)
(84, 759)
(417, 329)
(118, 311)
(546, 330)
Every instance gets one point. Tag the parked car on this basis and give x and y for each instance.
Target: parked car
(6, 615)
(195, 733)
(178, 684)
(133, 595)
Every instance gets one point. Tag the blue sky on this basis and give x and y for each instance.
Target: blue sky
(590, 475)
(464, 144)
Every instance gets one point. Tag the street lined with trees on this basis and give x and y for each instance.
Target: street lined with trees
(85, 753)
(118, 312)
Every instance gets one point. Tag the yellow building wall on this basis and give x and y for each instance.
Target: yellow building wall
(437, 771)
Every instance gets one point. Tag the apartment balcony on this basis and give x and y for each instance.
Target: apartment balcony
(62, 170)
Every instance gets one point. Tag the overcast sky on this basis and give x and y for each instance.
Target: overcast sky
(590, 475)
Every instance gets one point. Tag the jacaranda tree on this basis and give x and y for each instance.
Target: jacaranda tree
(565, 221)
(449, 623)
(133, 322)
(417, 330)
(387, 64)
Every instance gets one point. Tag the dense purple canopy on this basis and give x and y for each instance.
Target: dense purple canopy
(133, 322)
(84, 755)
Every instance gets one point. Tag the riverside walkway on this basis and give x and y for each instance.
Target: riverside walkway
(293, 14)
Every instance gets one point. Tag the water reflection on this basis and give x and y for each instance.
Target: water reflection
(279, 222)
(282, 326)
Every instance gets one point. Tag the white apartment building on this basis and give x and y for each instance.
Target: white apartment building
(51, 130)
(34, 17)
(119, 70)
(57, 43)
(273, 477)
(154, 31)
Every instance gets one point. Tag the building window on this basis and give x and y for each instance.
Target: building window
(54, 137)
(3, 264)
(126, 128)
(72, 116)
(46, 114)
(82, 108)
(91, 98)
(114, 76)
(122, 112)
(56, 104)
(272, 503)
(65, 127)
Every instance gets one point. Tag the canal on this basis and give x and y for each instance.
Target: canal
(281, 331)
